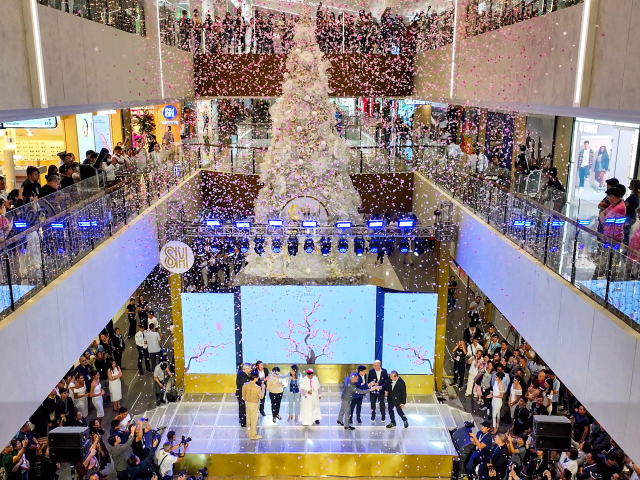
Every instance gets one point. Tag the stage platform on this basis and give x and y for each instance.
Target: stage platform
(287, 448)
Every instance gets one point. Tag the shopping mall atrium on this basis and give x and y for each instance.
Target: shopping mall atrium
(281, 239)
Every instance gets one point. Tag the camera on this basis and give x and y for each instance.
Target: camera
(186, 439)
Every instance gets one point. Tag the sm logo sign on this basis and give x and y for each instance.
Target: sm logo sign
(177, 257)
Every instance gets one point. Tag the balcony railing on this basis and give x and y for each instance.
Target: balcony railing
(42, 239)
(125, 15)
(486, 15)
(599, 265)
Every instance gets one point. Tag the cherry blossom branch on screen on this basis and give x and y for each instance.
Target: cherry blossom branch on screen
(201, 353)
(417, 356)
(306, 348)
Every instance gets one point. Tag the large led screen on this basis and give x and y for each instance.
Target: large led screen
(409, 332)
(294, 324)
(209, 332)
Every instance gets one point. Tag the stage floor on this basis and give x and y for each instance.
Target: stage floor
(211, 420)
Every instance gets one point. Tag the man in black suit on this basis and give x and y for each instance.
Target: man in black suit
(263, 373)
(241, 379)
(356, 401)
(396, 393)
(379, 375)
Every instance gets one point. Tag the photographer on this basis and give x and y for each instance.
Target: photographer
(120, 451)
(496, 464)
(165, 460)
(13, 459)
(160, 375)
(137, 469)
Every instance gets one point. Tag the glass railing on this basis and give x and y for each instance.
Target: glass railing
(125, 15)
(598, 264)
(41, 240)
(342, 34)
(483, 16)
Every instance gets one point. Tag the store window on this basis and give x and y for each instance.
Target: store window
(539, 140)
(601, 150)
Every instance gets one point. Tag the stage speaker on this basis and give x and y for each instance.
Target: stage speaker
(68, 437)
(551, 443)
(551, 426)
(461, 439)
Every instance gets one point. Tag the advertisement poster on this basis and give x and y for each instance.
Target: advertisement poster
(102, 132)
(84, 127)
(294, 324)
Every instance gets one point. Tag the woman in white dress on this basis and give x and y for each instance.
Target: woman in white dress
(80, 395)
(474, 362)
(514, 396)
(115, 384)
(496, 403)
(96, 393)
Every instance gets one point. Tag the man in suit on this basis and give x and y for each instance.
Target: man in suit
(380, 376)
(241, 379)
(263, 376)
(585, 161)
(396, 393)
(356, 402)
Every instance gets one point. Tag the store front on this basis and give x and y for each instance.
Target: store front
(601, 150)
(30, 142)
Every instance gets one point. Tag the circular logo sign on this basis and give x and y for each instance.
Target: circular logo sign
(169, 112)
(177, 257)
(301, 208)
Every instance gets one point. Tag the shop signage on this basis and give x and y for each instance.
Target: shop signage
(300, 208)
(177, 257)
(588, 127)
(169, 112)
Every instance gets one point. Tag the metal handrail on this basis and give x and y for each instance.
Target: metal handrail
(39, 242)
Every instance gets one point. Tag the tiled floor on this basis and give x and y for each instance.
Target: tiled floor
(212, 422)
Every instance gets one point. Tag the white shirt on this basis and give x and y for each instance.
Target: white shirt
(569, 464)
(378, 375)
(261, 374)
(153, 342)
(586, 153)
(152, 321)
(140, 339)
(165, 462)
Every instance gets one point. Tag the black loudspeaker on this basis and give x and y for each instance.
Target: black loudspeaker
(551, 426)
(551, 443)
(551, 433)
(68, 437)
(70, 454)
(461, 439)
(69, 444)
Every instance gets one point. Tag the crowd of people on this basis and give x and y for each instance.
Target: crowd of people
(303, 392)
(80, 399)
(511, 386)
(336, 33)
(485, 16)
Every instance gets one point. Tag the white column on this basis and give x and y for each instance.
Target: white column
(152, 21)
(34, 53)
(585, 52)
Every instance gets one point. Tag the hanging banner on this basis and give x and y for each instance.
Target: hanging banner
(176, 257)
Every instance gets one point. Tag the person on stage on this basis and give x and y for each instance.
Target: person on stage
(349, 389)
(252, 394)
(262, 373)
(396, 393)
(292, 392)
(356, 402)
(380, 376)
(310, 394)
(241, 378)
(274, 385)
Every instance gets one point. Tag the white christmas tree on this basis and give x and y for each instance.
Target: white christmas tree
(306, 159)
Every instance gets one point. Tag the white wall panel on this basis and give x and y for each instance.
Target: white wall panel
(593, 352)
(609, 382)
